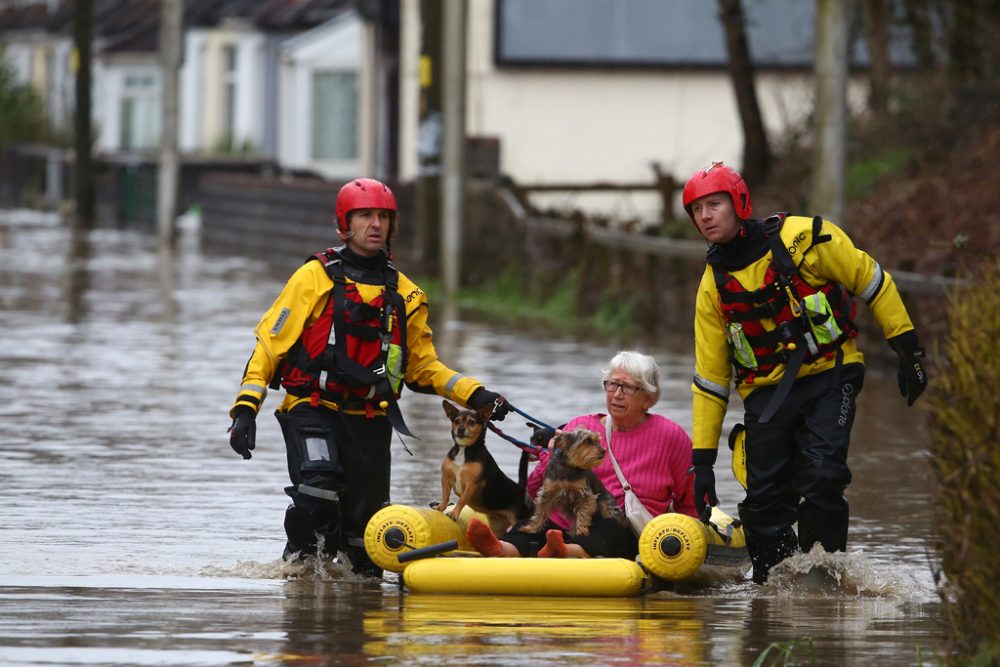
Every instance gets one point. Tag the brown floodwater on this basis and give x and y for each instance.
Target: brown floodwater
(130, 534)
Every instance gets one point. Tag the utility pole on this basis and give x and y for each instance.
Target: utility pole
(453, 153)
(171, 34)
(83, 37)
(830, 156)
(429, 136)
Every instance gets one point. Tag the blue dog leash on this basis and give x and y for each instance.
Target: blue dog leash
(524, 446)
(538, 422)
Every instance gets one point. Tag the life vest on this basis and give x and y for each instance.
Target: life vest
(354, 354)
(818, 318)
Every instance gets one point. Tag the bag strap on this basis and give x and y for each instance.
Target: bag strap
(618, 471)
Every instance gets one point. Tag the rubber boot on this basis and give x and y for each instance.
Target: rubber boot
(766, 553)
(361, 564)
(303, 530)
(300, 534)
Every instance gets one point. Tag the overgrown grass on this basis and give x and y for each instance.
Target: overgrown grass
(779, 653)
(511, 298)
(864, 173)
(965, 432)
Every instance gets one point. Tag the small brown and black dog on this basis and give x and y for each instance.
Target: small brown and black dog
(478, 481)
(570, 484)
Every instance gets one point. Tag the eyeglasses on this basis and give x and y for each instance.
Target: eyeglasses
(611, 386)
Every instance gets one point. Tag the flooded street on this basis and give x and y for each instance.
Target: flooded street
(130, 533)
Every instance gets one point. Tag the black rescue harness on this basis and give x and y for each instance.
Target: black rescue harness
(780, 299)
(354, 354)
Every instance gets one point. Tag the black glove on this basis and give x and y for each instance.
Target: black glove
(482, 397)
(243, 432)
(912, 375)
(702, 461)
(541, 436)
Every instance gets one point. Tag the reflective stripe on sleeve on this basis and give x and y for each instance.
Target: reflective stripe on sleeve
(452, 382)
(874, 285)
(713, 388)
(249, 388)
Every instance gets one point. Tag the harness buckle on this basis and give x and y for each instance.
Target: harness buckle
(793, 303)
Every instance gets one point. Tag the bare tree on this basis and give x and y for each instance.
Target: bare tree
(917, 15)
(756, 150)
(964, 46)
(876, 19)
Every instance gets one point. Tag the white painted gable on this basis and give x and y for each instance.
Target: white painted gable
(334, 44)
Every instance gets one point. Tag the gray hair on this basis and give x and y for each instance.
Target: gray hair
(640, 367)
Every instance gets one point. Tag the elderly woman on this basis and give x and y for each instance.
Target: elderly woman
(653, 452)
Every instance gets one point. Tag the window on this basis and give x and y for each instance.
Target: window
(335, 115)
(140, 112)
(647, 33)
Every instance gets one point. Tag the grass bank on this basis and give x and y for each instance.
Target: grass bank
(965, 431)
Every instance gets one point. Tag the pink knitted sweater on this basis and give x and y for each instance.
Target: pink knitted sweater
(654, 458)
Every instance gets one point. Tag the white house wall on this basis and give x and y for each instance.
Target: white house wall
(62, 88)
(192, 86)
(17, 55)
(249, 121)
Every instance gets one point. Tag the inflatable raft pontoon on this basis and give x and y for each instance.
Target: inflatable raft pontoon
(433, 554)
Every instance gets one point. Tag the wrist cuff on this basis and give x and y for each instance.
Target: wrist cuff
(905, 343)
(704, 457)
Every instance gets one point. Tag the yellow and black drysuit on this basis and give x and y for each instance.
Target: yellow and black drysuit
(341, 338)
(777, 301)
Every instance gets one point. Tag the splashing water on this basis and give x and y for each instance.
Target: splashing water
(838, 574)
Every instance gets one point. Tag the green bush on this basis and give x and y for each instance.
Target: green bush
(865, 173)
(965, 431)
(22, 112)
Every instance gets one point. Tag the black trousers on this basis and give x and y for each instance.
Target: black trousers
(608, 538)
(339, 466)
(797, 467)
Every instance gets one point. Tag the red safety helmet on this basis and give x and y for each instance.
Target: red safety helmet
(719, 178)
(363, 193)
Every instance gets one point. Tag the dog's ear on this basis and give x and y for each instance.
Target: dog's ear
(562, 440)
(485, 412)
(449, 410)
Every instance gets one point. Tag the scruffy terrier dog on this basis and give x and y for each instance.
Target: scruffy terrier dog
(570, 484)
(478, 481)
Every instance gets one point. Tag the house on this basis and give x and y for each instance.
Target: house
(229, 78)
(581, 91)
(39, 53)
(330, 99)
(570, 91)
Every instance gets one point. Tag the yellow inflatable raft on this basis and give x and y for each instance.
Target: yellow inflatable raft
(672, 547)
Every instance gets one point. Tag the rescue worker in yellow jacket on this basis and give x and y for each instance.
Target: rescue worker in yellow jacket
(346, 332)
(775, 314)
